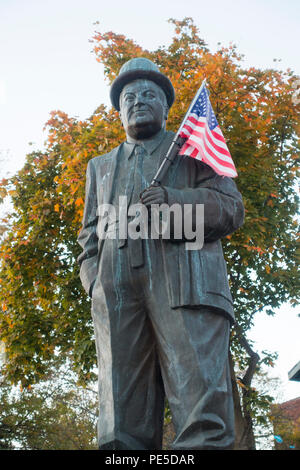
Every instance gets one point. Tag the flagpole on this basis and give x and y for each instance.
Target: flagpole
(175, 146)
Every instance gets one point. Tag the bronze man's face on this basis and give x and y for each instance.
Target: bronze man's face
(143, 109)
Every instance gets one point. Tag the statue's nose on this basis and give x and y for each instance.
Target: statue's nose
(139, 99)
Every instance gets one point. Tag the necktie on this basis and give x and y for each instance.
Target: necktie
(136, 246)
(140, 154)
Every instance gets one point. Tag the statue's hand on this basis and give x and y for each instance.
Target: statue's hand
(154, 195)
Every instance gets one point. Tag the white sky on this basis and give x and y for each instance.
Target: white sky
(46, 64)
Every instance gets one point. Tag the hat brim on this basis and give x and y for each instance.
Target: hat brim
(127, 77)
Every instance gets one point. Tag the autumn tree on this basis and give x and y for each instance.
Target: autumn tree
(54, 414)
(44, 306)
(286, 422)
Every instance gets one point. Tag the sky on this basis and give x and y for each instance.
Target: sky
(46, 64)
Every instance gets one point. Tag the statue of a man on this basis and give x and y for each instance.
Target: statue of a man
(162, 314)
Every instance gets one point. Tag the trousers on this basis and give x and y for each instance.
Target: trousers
(147, 352)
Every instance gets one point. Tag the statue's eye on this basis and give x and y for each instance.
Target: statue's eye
(129, 97)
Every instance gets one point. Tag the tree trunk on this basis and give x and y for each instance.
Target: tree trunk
(244, 434)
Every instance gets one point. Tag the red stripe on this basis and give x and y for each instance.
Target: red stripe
(215, 134)
(218, 136)
(199, 134)
(214, 156)
(202, 124)
(185, 147)
(221, 140)
(189, 130)
(223, 171)
(194, 120)
(184, 135)
(219, 149)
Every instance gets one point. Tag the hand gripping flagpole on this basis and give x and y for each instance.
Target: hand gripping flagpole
(175, 146)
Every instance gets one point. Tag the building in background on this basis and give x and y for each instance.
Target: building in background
(286, 419)
(294, 373)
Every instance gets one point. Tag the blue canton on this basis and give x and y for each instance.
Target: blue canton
(203, 108)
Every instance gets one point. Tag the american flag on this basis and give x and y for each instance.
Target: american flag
(205, 140)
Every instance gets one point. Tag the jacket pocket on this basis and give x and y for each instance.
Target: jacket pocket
(215, 272)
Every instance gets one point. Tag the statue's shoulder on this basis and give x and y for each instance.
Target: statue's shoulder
(105, 158)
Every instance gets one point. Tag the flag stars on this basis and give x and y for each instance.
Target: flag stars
(203, 108)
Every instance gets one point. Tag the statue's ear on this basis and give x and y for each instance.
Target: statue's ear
(166, 112)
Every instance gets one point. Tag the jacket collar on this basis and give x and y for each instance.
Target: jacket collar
(150, 145)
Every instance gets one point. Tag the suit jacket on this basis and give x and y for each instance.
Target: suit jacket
(193, 277)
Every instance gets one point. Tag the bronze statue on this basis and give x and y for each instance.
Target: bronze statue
(161, 313)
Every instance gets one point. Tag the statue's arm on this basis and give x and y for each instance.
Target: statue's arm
(223, 204)
(88, 239)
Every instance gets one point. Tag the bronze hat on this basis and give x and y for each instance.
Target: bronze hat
(134, 69)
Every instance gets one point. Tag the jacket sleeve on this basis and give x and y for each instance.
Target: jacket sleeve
(223, 204)
(88, 239)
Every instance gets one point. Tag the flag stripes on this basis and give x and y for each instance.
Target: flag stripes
(205, 140)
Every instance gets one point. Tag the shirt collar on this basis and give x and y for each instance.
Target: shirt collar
(150, 145)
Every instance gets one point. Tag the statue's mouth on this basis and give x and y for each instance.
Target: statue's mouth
(140, 112)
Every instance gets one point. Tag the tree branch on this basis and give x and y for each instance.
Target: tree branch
(254, 357)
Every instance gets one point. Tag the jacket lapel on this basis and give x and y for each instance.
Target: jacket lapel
(109, 178)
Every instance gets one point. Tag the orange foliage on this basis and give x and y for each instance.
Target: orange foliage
(38, 253)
